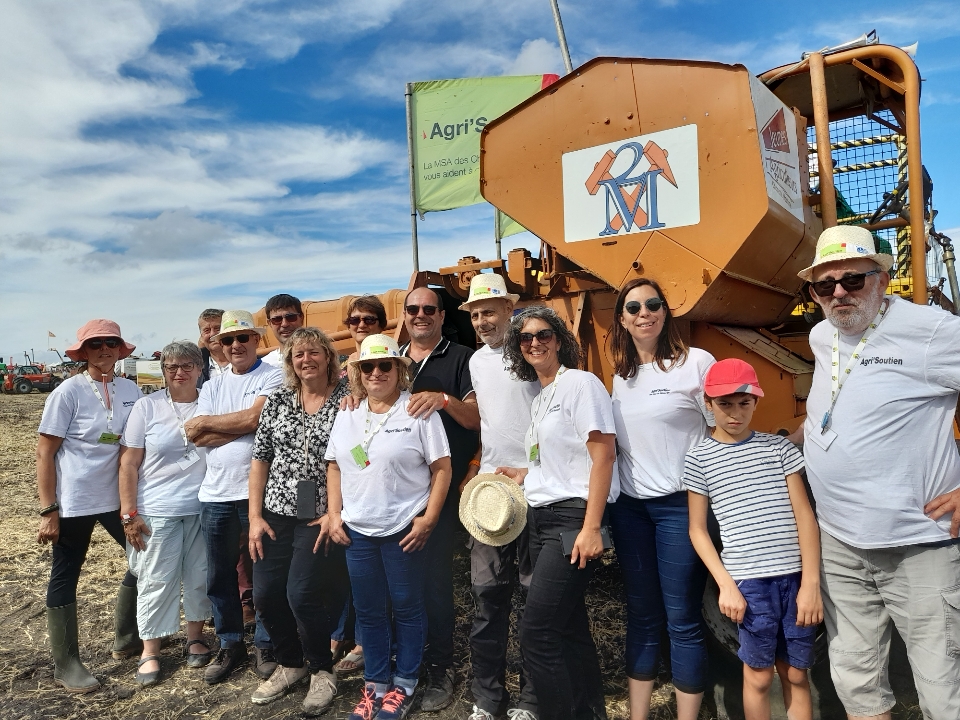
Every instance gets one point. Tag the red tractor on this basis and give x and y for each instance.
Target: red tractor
(25, 378)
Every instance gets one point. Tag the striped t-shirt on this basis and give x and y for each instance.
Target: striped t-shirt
(747, 487)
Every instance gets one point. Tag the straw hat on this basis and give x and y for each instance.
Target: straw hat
(237, 321)
(488, 286)
(99, 328)
(378, 347)
(846, 242)
(493, 509)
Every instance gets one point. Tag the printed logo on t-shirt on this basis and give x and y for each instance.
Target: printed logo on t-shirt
(129, 403)
(660, 391)
(881, 361)
(252, 392)
(400, 429)
(552, 409)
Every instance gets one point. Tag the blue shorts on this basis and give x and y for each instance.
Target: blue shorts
(769, 629)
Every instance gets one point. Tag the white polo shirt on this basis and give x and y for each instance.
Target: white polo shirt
(274, 358)
(894, 451)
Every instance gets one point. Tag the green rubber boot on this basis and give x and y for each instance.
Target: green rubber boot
(69, 671)
(126, 642)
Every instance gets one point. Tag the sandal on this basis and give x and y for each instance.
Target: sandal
(147, 679)
(351, 663)
(197, 660)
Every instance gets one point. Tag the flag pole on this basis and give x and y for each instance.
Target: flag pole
(408, 96)
(496, 231)
(561, 36)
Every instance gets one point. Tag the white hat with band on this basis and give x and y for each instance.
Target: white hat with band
(493, 509)
(237, 321)
(488, 286)
(379, 347)
(846, 242)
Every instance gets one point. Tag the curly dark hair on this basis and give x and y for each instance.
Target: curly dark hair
(370, 304)
(671, 350)
(568, 350)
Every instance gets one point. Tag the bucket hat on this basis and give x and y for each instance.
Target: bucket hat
(378, 347)
(237, 321)
(493, 509)
(98, 328)
(488, 286)
(846, 242)
(731, 376)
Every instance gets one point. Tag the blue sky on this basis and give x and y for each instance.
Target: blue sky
(157, 157)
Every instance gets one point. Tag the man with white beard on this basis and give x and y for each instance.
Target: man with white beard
(885, 472)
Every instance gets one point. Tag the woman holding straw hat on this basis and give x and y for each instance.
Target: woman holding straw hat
(569, 479)
(77, 479)
(387, 481)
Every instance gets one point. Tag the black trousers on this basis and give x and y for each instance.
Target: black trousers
(558, 650)
(70, 551)
(299, 594)
(438, 588)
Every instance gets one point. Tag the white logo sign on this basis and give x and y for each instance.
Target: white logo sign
(635, 185)
(777, 132)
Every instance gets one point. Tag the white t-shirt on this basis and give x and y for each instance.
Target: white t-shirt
(274, 358)
(88, 478)
(504, 410)
(164, 489)
(894, 451)
(228, 466)
(384, 497)
(215, 368)
(579, 406)
(660, 416)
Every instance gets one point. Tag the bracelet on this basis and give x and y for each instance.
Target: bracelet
(127, 519)
(446, 401)
(53, 507)
(475, 462)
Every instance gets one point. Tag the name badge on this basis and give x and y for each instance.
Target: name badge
(535, 454)
(108, 438)
(360, 457)
(191, 458)
(822, 440)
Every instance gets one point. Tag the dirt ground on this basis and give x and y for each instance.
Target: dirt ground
(27, 690)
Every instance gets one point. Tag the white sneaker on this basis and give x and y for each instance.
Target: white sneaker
(520, 714)
(480, 714)
(323, 688)
(282, 679)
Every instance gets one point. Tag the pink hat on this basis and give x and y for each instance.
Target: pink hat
(731, 376)
(99, 328)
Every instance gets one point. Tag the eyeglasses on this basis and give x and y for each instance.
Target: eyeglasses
(228, 339)
(653, 304)
(415, 309)
(365, 319)
(543, 337)
(289, 317)
(850, 283)
(98, 343)
(385, 366)
(174, 369)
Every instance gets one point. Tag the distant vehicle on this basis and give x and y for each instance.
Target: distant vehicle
(24, 379)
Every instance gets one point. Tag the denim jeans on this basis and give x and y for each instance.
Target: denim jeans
(558, 650)
(438, 588)
(222, 523)
(382, 575)
(300, 593)
(664, 581)
(347, 627)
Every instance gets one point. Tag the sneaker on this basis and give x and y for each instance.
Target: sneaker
(264, 662)
(480, 714)
(227, 659)
(521, 714)
(323, 688)
(283, 679)
(395, 705)
(369, 704)
(439, 691)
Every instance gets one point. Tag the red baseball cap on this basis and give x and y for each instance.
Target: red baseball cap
(731, 376)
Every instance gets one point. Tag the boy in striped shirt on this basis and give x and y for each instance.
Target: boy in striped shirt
(769, 574)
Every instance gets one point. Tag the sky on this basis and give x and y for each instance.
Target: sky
(160, 157)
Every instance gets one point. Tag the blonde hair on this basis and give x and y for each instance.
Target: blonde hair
(308, 336)
(356, 385)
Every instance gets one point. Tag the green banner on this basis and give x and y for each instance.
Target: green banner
(448, 117)
(508, 226)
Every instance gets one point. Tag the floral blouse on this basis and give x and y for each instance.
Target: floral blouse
(279, 442)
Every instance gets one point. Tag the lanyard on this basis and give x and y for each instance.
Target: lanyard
(108, 403)
(367, 434)
(423, 364)
(534, 419)
(838, 378)
(183, 432)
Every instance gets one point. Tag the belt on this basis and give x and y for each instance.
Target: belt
(578, 503)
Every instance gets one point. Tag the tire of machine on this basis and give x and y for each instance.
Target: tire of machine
(23, 387)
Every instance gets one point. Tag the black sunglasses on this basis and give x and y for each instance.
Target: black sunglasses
(228, 339)
(543, 337)
(365, 319)
(289, 317)
(415, 309)
(653, 304)
(850, 283)
(98, 343)
(385, 366)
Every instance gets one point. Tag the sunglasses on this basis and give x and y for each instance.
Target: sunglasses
(174, 369)
(415, 309)
(228, 340)
(355, 320)
(289, 317)
(385, 366)
(543, 337)
(850, 283)
(98, 343)
(653, 304)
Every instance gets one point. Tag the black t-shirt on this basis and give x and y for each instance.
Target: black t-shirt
(447, 370)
